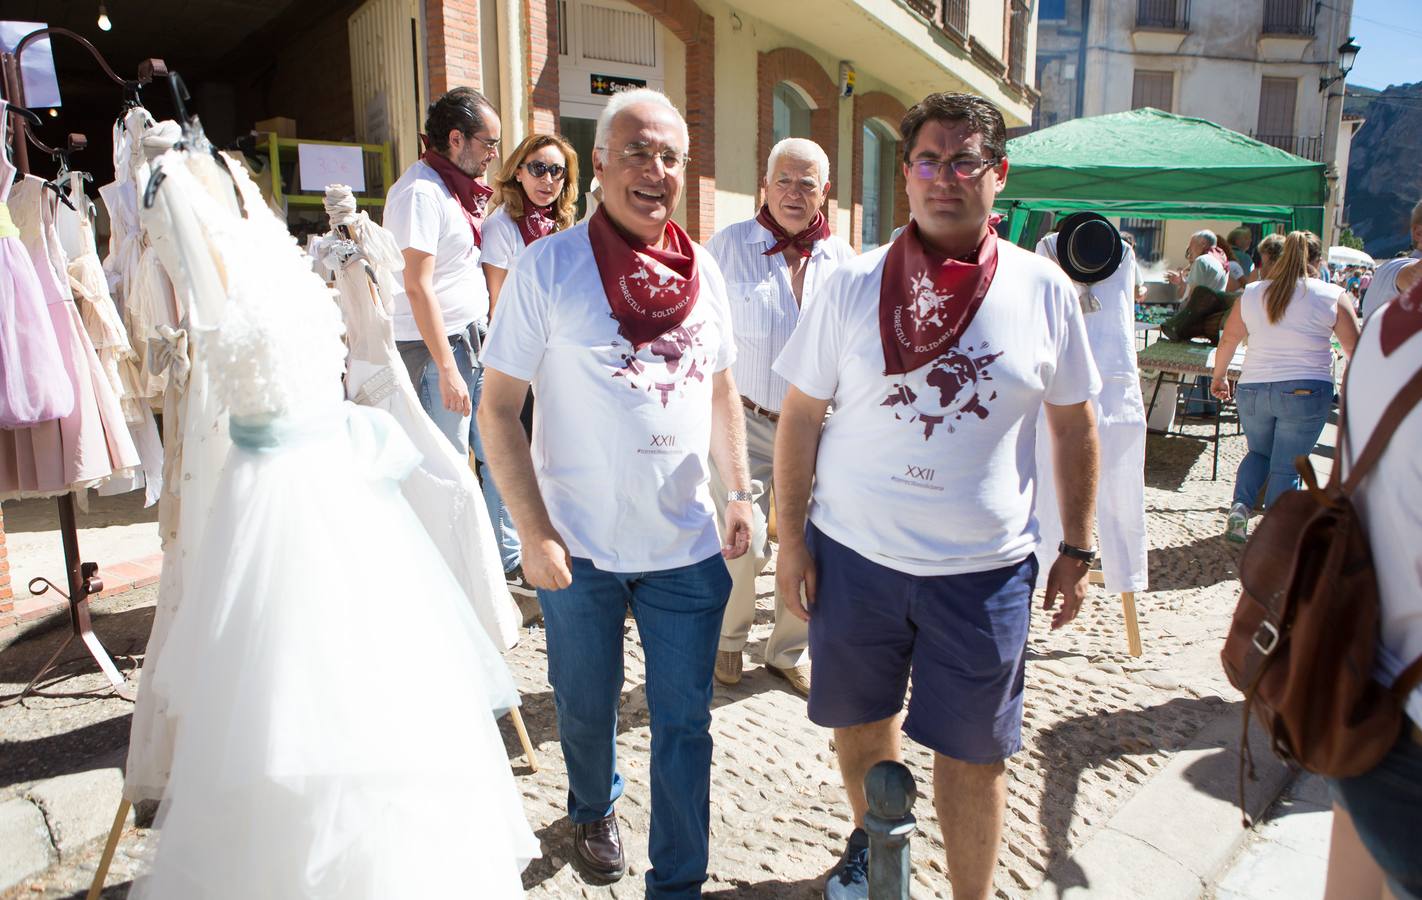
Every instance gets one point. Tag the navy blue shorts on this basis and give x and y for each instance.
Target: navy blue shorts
(963, 638)
(1386, 806)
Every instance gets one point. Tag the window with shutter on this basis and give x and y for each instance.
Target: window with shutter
(1154, 89)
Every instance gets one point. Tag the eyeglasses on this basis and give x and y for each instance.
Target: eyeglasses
(491, 146)
(538, 168)
(640, 157)
(963, 168)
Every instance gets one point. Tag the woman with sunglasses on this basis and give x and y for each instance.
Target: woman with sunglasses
(535, 194)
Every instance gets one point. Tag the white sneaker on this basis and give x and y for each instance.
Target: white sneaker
(1237, 525)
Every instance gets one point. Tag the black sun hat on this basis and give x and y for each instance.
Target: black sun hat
(1089, 247)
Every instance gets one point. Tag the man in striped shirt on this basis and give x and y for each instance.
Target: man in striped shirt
(774, 263)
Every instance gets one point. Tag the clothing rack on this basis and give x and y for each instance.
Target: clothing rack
(83, 577)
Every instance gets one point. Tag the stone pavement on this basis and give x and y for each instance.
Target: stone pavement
(1098, 726)
(1286, 856)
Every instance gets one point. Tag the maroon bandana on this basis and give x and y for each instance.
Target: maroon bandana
(537, 221)
(927, 302)
(1401, 320)
(651, 290)
(804, 242)
(473, 196)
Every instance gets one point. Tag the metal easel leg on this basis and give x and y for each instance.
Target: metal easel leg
(102, 873)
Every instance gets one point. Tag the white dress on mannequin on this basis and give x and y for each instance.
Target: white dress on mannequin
(308, 762)
(1120, 428)
(442, 490)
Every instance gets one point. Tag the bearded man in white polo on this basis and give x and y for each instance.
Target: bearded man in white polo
(622, 327)
(775, 263)
(937, 353)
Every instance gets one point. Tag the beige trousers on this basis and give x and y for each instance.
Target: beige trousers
(790, 640)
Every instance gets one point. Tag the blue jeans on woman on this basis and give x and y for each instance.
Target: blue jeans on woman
(1282, 420)
(678, 613)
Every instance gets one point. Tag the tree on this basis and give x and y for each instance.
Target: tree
(1349, 239)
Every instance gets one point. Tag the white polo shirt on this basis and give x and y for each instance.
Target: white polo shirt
(933, 472)
(502, 240)
(423, 215)
(620, 438)
(1390, 498)
(763, 306)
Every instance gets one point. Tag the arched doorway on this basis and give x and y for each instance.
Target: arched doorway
(790, 113)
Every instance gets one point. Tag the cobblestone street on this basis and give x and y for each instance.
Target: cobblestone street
(1098, 725)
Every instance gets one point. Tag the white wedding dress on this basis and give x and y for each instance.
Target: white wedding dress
(363, 258)
(328, 686)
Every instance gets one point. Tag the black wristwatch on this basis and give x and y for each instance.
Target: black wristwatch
(1086, 556)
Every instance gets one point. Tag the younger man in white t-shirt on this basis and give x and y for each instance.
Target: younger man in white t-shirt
(937, 352)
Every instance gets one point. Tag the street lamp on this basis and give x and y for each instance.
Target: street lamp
(1347, 54)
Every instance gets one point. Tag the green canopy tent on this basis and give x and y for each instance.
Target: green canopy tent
(1156, 165)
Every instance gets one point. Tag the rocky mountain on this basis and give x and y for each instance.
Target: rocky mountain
(1385, 166)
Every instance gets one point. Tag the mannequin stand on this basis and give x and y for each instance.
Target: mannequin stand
(1128, 608)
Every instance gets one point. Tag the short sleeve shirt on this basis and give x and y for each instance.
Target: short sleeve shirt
(933, 472)
(1207, 271)
(621, 437)
(1389, 500)
(423, 215)
(502, 240)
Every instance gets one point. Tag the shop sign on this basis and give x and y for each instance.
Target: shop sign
(607, 85)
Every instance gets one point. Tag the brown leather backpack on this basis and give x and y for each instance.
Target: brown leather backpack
(1305, 632)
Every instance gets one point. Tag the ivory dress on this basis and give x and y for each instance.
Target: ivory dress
(307, 763)
(442, 490)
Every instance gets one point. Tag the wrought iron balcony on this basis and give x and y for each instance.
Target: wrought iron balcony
(1170, 15)
(1289, 17)
(1310, 147)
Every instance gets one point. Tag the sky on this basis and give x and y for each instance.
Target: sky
(1390, 34)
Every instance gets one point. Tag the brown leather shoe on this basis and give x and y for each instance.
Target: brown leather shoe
(798, 676)
(728, 666)
(597, 847)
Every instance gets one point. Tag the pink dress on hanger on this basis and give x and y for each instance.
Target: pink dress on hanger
(34, 386)
(91, 444)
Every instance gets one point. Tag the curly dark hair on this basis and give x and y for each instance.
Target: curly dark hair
(950, 106)
(462, 108)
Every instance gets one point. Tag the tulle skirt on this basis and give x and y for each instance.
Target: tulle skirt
(333, 693)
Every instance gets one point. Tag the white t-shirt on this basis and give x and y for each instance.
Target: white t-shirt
(620, 442)
(1390, 499)
(933, 472)
(423, 215)
(1383, 287)
(1298, 347)
(502, 240)
(763, 306)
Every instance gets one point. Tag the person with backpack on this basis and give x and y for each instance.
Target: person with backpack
(1378, 814)
(1286, 389)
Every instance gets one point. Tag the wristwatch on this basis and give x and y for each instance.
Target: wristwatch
(1086, 556)
(733, 496)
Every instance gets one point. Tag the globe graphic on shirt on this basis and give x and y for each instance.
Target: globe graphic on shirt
(663, 366)
(952, 387)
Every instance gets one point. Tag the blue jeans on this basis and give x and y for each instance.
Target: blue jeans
(1386, 805)
(463, 433)
(1282, 420)
(678, 614)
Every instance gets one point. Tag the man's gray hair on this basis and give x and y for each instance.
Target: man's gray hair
(1207, 236)
(622, 101)
(800, 149)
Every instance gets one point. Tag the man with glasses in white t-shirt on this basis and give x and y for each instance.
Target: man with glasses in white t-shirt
(906, 517)
(623, 329)
(436, 213)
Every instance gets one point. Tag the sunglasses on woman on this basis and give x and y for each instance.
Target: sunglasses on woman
(538, 168)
